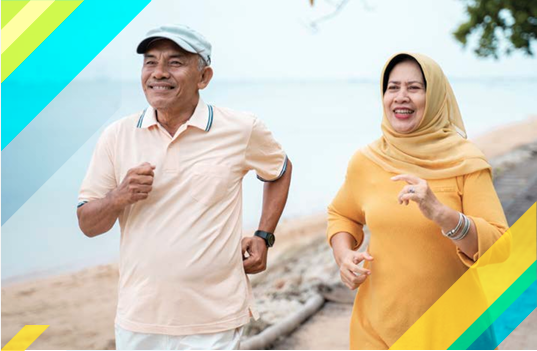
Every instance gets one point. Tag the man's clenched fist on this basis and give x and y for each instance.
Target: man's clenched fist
(135, 186)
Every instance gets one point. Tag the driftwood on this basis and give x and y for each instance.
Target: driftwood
(268, 336)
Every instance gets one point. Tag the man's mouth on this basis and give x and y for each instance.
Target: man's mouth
(161, 87)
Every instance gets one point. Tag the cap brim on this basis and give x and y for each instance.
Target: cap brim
(144, 44)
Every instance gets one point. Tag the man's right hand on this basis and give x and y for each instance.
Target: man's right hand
(136, 186)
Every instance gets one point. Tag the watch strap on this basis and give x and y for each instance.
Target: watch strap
(268, 237)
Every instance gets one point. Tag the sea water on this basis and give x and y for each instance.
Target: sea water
(319, 123)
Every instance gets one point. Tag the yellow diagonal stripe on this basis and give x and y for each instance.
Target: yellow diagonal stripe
(22, 21)
(476, 290)
(10, 9)
(25, 337)
(35, 35)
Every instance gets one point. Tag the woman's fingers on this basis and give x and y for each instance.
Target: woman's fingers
(358, 257)
(367, 256)
(413, 191)
(406, 198)
(410, 179)
(407, 189)
(351, 280)
(351, 273)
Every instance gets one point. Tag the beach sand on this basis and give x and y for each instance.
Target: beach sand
(80, 306)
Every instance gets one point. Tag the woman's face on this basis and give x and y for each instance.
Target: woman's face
(404, 99)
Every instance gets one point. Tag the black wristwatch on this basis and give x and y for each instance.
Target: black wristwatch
(268, 237)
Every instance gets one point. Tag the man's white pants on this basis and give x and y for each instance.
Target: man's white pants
(227, 340)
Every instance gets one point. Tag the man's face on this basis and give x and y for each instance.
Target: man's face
(170, 76)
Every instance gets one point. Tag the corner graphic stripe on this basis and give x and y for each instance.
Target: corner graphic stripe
(78, 27)
(490, 316)
(10, 9)
(474, 292)
(25, 337)
(34, 35)
(508, 321)
(22, 21)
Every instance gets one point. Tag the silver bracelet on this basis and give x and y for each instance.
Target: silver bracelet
(464, 231)
(453, 231)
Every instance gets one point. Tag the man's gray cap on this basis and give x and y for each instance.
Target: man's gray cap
(187, 38)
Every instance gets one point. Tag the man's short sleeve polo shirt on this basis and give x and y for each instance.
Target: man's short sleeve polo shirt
(180, 264)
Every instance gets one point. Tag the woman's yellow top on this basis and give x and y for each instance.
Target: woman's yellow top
(414, 264)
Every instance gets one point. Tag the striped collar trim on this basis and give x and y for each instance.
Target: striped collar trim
(210, 118)
(202, 117)
(147, 118)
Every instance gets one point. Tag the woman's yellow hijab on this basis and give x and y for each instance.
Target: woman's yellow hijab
(438, 147)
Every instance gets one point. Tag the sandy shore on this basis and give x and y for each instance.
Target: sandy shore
(502, 140)
(80, 307)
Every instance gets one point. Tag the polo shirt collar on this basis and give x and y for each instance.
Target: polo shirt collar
(202, 117)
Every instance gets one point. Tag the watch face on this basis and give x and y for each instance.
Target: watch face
(270, 240)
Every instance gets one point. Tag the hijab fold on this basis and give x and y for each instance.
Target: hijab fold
(437, 148)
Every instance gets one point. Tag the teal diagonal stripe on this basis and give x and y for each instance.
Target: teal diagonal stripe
(60, 58)
(482, 332)
(508, 321)
(27, 163)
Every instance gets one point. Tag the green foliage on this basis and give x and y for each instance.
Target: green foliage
(515, 20)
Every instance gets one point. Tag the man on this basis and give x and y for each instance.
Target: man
(172, 175)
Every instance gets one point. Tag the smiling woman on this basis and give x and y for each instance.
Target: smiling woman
(415, 253)
(404, 94)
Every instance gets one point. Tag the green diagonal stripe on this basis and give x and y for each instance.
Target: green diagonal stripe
(495, 310)
(34, 35)
(10, 9)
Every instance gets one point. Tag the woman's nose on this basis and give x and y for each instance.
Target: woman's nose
(401, 96)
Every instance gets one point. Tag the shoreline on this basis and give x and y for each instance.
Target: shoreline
(494, 143)
(68, 300)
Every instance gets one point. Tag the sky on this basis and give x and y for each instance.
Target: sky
(271, 39)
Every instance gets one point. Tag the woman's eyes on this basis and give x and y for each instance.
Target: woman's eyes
(395, 87)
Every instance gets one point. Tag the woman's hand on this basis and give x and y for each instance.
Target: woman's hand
(351, 274)
(348, 259)
(418, 191)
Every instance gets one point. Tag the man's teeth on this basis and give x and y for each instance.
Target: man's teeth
(404, 112)
(161, 88)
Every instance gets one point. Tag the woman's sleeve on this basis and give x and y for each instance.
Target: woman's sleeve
(481, 204)
(344, 215)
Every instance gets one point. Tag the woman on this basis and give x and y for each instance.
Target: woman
(425, 193)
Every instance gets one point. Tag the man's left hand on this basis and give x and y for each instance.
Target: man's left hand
(256, 261)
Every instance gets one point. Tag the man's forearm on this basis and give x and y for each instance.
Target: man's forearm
(98, 216)
(274, 199)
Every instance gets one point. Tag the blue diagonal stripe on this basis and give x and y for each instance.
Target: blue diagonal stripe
(60, 58)
(48, 141)
(509, 320)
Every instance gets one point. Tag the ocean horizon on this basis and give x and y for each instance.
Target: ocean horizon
(320, 124)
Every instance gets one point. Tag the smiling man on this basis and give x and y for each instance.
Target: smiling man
(172, 174)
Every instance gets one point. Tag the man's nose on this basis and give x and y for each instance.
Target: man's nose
(161, 71)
